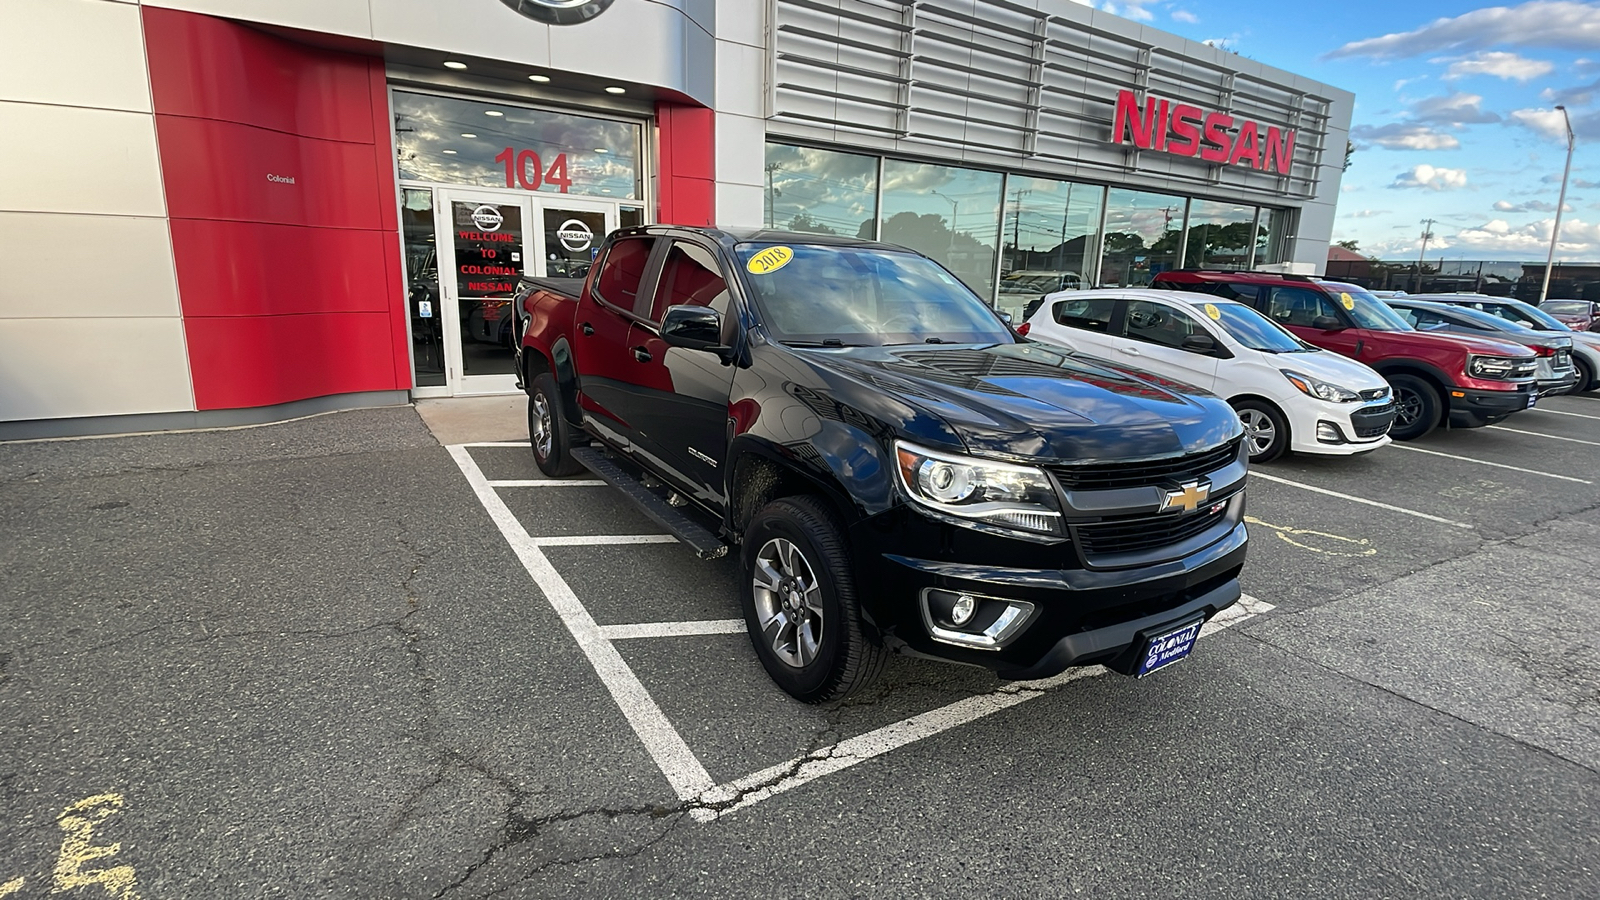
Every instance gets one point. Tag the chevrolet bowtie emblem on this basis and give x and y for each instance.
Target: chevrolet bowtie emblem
(1188, 497)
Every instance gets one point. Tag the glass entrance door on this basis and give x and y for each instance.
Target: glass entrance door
(573, 230)
(484, 246)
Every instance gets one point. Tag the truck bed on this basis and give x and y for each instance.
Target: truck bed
(570, 288)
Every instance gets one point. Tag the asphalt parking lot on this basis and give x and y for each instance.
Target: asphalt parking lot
(333, 658)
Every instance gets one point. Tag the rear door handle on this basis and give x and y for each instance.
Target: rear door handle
(1131, 351)
(586, 328)
(641, 354)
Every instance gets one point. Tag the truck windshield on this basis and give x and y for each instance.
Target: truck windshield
(1367, 310)
(1256, 331)
(859, 296)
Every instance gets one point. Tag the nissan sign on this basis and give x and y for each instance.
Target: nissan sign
(559, 12)
(487, 217)
(575, 235)
(1215, 137)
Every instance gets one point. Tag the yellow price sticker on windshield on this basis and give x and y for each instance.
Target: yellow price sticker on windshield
(1213, 312)
(1348, 301)
(769, 260)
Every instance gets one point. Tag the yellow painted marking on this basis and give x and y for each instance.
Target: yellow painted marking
(1348, 301)
(79, 821)
(1284, 531)
(1213, 312)
(11, 887)
(769, 260)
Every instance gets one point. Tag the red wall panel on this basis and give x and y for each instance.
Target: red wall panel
(265, 360)
(254, 269)
(687, 191)
(289, 290)
(211, 68)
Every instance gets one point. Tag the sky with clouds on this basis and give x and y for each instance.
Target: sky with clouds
(1454, 117)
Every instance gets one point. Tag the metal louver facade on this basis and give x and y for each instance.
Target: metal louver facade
(1032, 86)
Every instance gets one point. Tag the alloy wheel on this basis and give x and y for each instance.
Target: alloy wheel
(1258, 430)
(788, 602)
(543, 429)
(1409, 408)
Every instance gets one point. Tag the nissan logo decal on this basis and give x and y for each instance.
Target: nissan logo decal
(487, 217)
(575, 235)
(559, 12)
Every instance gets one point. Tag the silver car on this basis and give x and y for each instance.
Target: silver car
(1585, 344)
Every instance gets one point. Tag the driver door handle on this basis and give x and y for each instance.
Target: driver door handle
(641, 354)
(586, 328)
(1131, 351)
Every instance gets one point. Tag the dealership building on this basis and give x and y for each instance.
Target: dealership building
(223, 212)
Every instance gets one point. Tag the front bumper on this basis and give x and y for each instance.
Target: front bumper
(1470, 408)
(1079, 615)
(1340, 430)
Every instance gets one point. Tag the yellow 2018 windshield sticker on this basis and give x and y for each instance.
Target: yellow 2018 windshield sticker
(1213, 312)
(1348, 301)
(769, 260)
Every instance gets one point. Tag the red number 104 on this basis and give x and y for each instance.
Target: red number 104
(525, 168)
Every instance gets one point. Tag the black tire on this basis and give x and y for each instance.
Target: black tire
(1263, 420)
(844, 656)
(548, 430)
(1585, 373)
(1420, 407)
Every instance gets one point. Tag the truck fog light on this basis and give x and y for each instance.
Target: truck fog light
(961, 612)
(1328, 434)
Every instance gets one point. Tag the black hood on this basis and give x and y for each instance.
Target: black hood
(1027, 400)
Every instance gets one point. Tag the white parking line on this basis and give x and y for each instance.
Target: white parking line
(671, 629)
(787, 776)
(1553, 437)
(666, 746)
(602, 540)
(1484, 462)
(1557, 412)
(1354, 499)
(496, 444)
(548, 482)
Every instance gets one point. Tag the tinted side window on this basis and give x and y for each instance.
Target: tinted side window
(622, 270)
(690, 276)
(1298, 306)
(1509, 313)
(1090, 314)
(1158, 323)
(1244, 293)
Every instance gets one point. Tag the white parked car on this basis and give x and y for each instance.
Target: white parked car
(1290, 395)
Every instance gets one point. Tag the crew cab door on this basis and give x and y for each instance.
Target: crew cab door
(1298, 309)
(1151, 337)
(680, 410)
(600, 332)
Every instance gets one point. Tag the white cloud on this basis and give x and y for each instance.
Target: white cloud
(1431, 178)
(1564, 24)
(1183, 15)
(1367, 213)
(1500, 64)
(1226, 43)
(1497, 235)
(1581, 183)
(1130, 9)
(1452, 109)
(1543, 122)
(1404, 136)
(1529, 206)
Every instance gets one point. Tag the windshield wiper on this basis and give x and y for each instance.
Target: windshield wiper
(825, 342)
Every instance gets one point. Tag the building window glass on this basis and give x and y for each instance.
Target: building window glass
(821, 191)
(1270, 236)
(422, 287)
(1050, 234)
(1220, 235)
(1142, 232)
(490, 144)
(949, 214)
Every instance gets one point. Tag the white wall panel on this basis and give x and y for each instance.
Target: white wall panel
(741, 149)
(743, 21)
(105, 67)
(741, 79)
(62, 159)
(39, 252)
(740, 205)
(349, 17)
(61, 368)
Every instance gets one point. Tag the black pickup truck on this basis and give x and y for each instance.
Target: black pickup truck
(899, 470)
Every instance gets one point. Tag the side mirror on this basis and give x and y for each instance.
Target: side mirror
(1005, 317)
(693, 328)
(1199, 343)
(1327, 323)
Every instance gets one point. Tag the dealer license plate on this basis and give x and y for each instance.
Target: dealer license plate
(1532, 399)
(1168, 647)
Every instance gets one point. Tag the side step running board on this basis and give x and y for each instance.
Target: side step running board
(705, 544)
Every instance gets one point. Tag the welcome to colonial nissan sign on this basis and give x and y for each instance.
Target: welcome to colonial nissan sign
(1215, 137)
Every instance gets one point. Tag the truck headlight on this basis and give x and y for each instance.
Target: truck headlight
(1322, 390)
(1490, 366)
(982, 490)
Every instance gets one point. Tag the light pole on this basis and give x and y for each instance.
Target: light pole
(1555, 232)
(954, 206)
(1427, 232)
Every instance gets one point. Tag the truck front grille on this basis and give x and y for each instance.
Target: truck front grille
(1099, 477)
(1147, 532)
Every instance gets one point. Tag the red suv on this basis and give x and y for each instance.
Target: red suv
(1465, 381)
